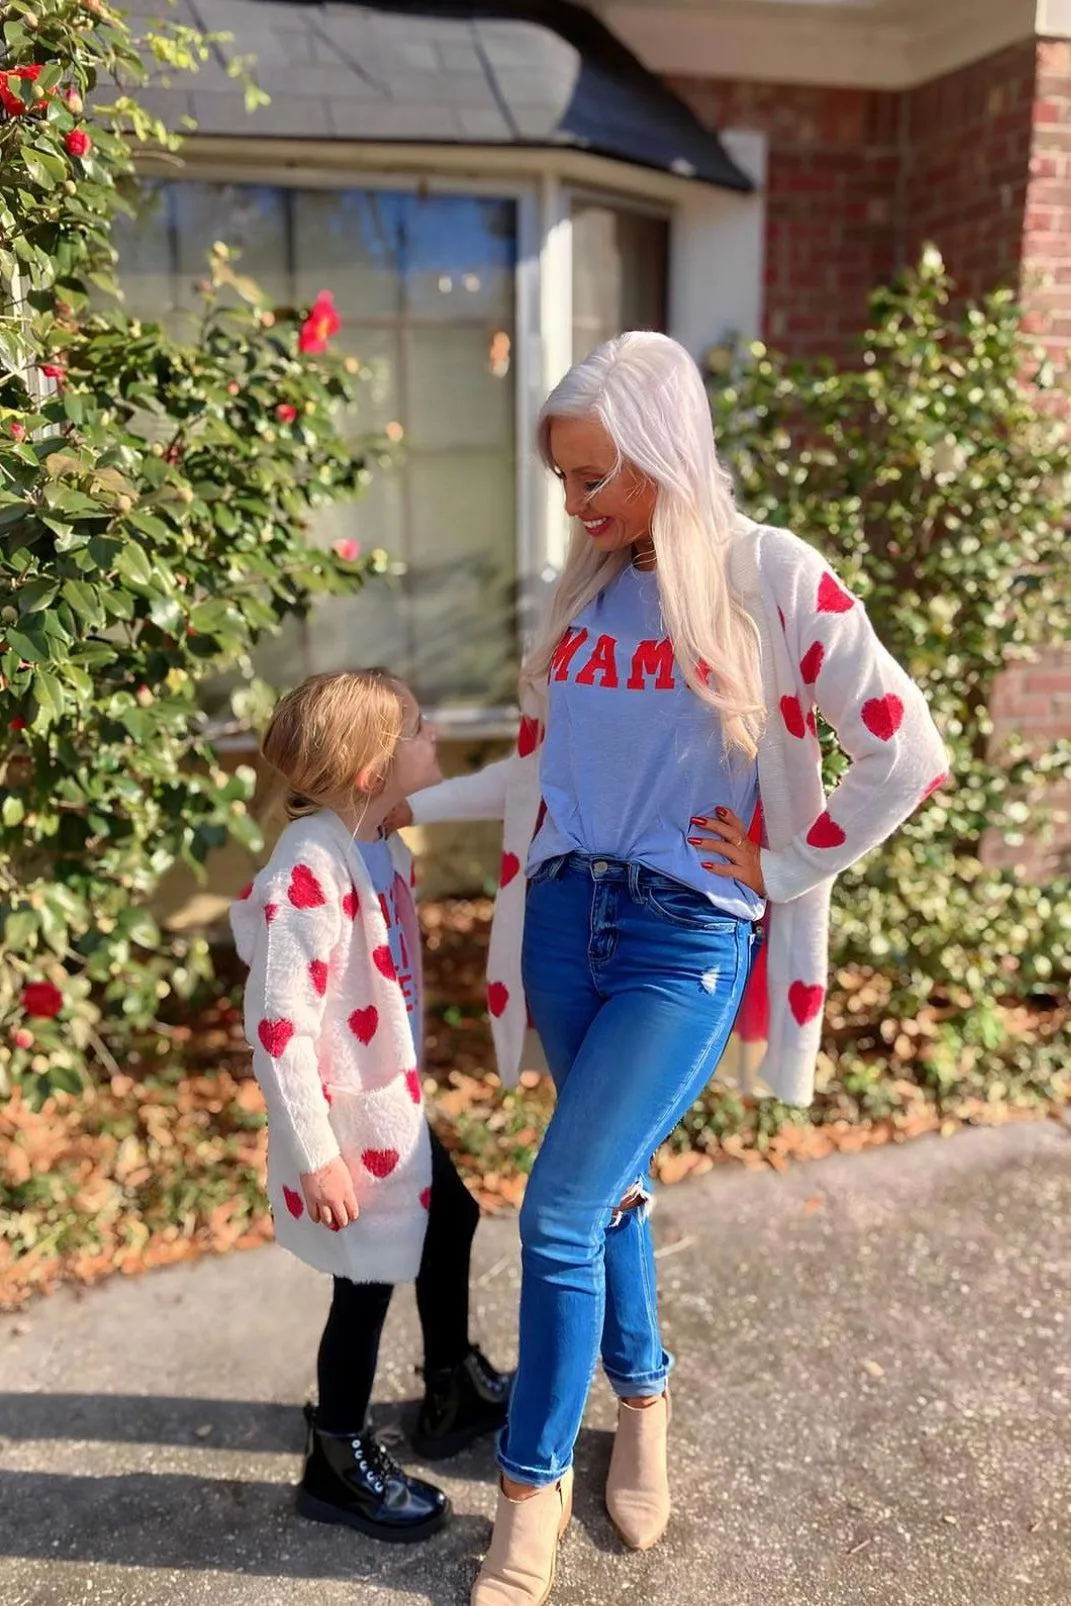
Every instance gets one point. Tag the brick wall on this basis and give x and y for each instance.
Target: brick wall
(833, 177)
(1046, 241)
(1036, 698)
(965, 150)
(979, 161)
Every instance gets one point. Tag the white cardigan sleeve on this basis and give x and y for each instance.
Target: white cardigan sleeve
(286, 929)
(481, 796)
(880, 716)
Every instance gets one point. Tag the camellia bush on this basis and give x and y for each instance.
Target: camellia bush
(936, 474)
(155, 494)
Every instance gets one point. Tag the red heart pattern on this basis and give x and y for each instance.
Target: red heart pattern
(811, 663)
(805, 1001)
(832, 598)
(270, 912)
(381, 958)
(792, 714)
(380, 1162)
(294, 1203)
(245, 892)
(364, 1023)
(413, 1087)
(425, 1198)
(812, 723)
(318, 975)
(497, 998)
(304, 891)
(510, 866)
(781, 616)
(351, 903)
(934, 786)
(825, 832)
(529, 736)
(274, 1035)
(883, 716)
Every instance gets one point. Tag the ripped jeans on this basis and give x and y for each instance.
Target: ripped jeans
(633, 981)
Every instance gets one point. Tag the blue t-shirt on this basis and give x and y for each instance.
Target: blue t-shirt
(631, 753)
(388, 886)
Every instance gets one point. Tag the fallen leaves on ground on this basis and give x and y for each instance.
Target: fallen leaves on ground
(165, 1161)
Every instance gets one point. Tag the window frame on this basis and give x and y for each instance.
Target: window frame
(542, 185)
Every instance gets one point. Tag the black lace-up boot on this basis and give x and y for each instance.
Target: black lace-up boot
(460, 1405)
(351, 1478)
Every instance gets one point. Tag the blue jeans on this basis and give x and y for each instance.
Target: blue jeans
(634, 982)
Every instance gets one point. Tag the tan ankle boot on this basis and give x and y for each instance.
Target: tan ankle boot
(637, 1487)
(520, 1565)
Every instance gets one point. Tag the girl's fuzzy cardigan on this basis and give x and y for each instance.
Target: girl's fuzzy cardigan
(818, 652)
(333, 1049)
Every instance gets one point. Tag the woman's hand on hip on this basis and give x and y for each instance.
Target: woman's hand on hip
(727, 837)
(330, 1197)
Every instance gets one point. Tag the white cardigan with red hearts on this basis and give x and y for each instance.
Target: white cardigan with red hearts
(333, 1049)
(818, 650)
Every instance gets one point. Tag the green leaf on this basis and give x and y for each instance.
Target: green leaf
(133, 564)
(85, 601)
(12, 810)
(36, 595)
(48, 694)
(31, 645)
(20, 930)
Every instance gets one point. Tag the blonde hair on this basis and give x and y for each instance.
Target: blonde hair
(330, 727)
(647, 393)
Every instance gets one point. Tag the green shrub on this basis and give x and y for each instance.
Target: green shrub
(154, 499)
(936, 475)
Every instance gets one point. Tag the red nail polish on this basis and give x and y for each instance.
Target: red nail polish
(720, 813)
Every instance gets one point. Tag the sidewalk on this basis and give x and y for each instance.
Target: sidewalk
(873, 1408)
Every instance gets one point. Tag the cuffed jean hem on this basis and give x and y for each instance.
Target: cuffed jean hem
(641, 1385)
(536, 1477)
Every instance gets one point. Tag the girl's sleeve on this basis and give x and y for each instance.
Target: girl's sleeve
(289, 926)
(880, 716)
(481, 796)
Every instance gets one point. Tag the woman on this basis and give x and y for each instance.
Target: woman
(675, 684)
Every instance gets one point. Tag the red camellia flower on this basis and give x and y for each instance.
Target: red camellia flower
(42, 998)
(18, 431)
(77, 142)
(18, 723)
(52, 370)
(10, 101)
(322, 322)
(348, 549)
(286, 412)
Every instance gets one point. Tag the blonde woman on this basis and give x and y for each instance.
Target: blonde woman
(673, 689)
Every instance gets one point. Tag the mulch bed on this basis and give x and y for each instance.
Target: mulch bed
(164, 1161)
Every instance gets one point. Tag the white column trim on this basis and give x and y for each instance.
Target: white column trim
(556, 328)
(1053, 19)
(894, 44)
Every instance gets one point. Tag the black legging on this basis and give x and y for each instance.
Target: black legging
(349, 1348)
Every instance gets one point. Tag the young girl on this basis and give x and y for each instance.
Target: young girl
(359, 1186)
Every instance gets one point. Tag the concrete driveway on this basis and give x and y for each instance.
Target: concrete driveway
(872, 1392)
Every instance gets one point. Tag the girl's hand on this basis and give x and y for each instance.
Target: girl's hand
(400, 816)
(727, 836)
(329, 1195)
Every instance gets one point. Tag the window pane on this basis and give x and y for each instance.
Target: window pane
(460, 256)
(620, 263)
(425, 288)
(144, 245)
(251, 218)
(351, 242)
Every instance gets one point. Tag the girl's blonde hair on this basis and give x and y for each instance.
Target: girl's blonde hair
(330, 727)
(647, 393)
